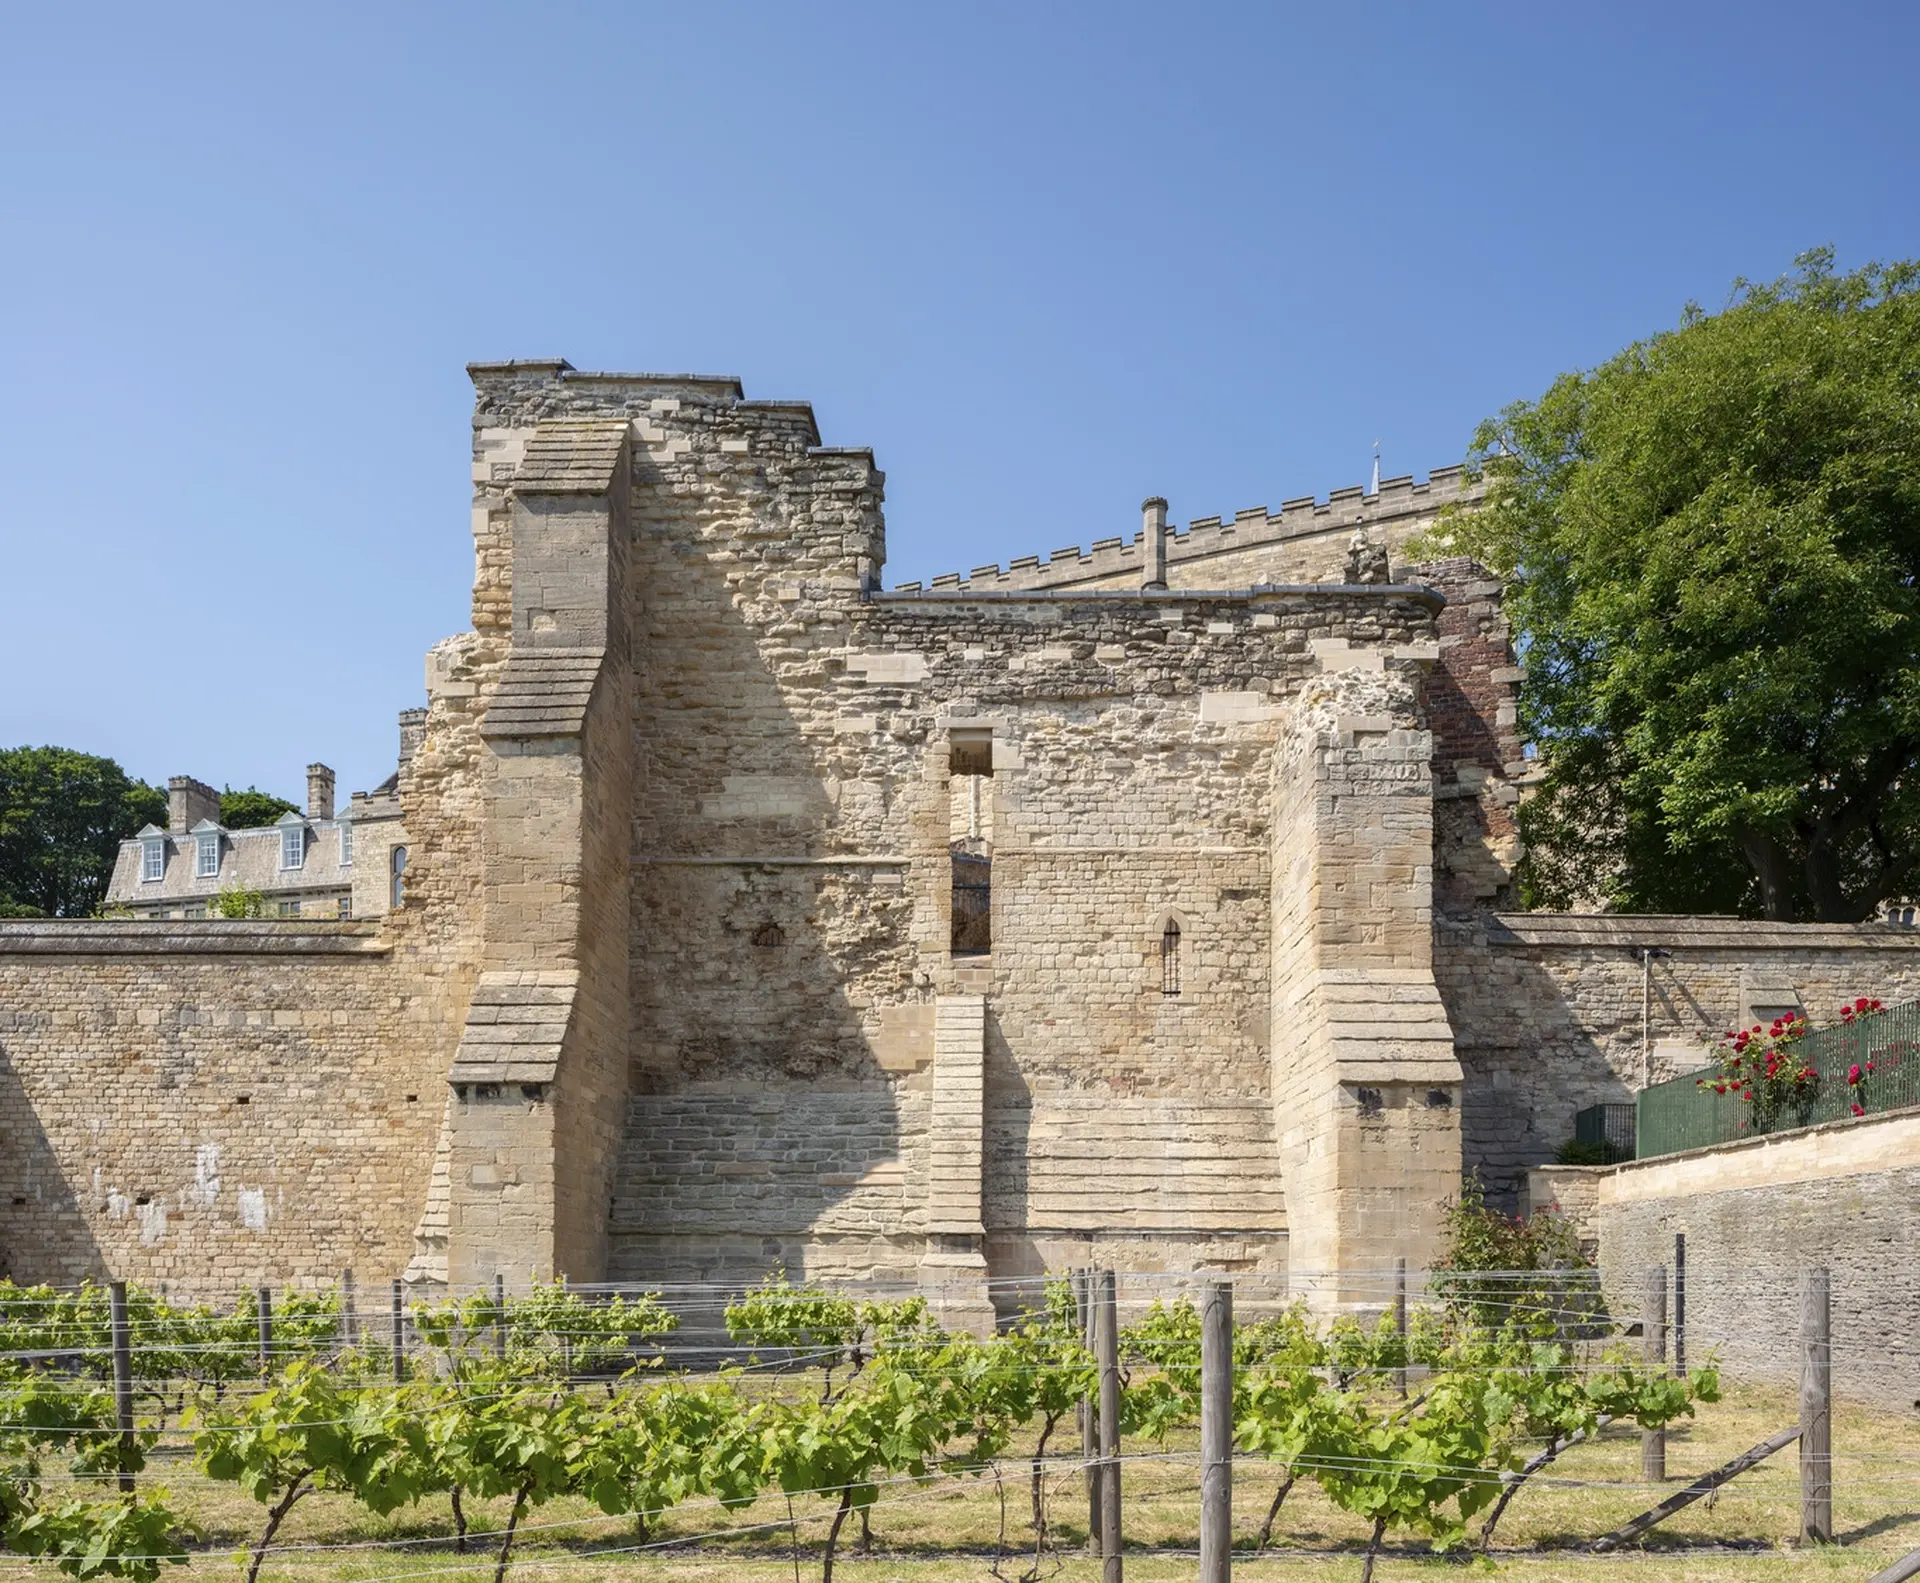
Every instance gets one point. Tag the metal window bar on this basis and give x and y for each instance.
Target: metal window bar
(1170, 960)
(1681, 1114)
(1611, 1126)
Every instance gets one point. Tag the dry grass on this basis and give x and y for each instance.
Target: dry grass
(952, 1530)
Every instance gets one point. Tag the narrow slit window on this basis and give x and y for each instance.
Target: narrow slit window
(398, 867)
(1170, 960)
(970, 840)
(972, 905)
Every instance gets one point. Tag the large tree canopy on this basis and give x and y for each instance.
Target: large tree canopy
(1712, 544)
(63, 816)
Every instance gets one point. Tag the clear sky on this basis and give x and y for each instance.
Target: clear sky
(1044, 258)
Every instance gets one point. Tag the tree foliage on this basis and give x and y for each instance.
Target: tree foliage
(1712, 545)
(63, 816)
(252, 809)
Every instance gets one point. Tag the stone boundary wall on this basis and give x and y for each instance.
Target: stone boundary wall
(212, 1104)
(1546, 1009)
(1758, 1212)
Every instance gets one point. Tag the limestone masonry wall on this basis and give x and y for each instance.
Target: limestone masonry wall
(1755, 1215)
(211, 1104)
(678, 992)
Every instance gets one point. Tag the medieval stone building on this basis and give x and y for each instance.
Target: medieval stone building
(1140, 905)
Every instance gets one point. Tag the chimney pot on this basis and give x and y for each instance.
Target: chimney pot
(319, 792)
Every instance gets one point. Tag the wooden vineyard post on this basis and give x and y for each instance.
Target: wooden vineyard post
(399, 1338)
(1653, 1344)
(122, 1380)
(1106, 1347)
(1216, 1432)
(263, 1307)
(1089, 1413)
(499, 1316)
(349, 1321)
(1680, 1304)
(1816, 1408)
(1400, 1322)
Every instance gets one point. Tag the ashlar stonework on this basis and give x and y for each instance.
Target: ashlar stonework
(1138, 906)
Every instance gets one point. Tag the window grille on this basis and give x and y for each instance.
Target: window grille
(972, 905)
(206, 857)
(153, 860)
(397, 866)
(1170, 960)
(293, 845)
(346, 844)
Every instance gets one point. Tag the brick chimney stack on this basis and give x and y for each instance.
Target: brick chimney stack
(188, 802)
(1153, 543)
(319, 792)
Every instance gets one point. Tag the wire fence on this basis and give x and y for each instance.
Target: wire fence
(1015, 1506)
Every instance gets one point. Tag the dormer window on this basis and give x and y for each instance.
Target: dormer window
(346, 843)
(153, 856)
(293, 841)
(206, 853)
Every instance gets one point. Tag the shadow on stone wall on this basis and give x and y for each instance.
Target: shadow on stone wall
(43, 1233)
(762, 1132)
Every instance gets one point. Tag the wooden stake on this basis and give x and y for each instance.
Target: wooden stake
(1706, 1484)
(399, 1338)
(499, 1316)
(1400, 1322)
(1680, 1304)
(1653, 1344)
(1089, 1413)
(1216, 1432)
(1106, 1347)
(349, 1320)
(1816, 1409)
(263, 1305)
(122, 1380)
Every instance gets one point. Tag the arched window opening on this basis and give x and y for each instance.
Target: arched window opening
(769, 936)
(399, 869)
(1170, 960)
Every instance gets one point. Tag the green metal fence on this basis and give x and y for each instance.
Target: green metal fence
(1680, 1114)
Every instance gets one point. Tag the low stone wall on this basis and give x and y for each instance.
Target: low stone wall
(212, 1104)
(1756, 1214)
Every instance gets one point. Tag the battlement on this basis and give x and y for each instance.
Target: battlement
(1343, 511)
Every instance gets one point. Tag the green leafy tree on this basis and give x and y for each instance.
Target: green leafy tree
(252, 809)
(63, 816)
(1712, 547)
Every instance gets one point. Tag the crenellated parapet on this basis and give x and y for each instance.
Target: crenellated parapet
(1301, 542)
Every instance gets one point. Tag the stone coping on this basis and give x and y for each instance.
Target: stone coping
(1578, 930)
(1845, 1146)
(187, 937)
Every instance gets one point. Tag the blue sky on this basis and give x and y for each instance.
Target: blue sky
(1044, 258)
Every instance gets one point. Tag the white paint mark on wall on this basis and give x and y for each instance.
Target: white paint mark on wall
(206, 1175)
(118, 1204)
(253, 1208)
(152, 1216)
